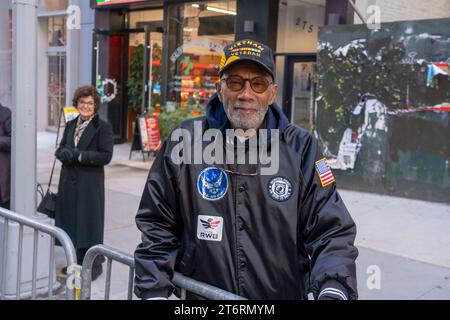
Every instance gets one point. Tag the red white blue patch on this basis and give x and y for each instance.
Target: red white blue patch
(324, 171)
(209, 228)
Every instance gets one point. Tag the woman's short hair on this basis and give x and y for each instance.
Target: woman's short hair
(87, 91)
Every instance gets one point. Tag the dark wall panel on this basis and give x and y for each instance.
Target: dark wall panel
(383, 113)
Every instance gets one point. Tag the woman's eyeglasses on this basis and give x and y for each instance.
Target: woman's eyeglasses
(237, 83)
(89, 104)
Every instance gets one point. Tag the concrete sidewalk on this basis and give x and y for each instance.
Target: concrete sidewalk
(405, 240)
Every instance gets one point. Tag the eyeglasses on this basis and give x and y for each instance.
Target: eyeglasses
(247, 174)
(236, 83)
(89, 104)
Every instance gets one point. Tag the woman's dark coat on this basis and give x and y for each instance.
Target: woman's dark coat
(81, 194)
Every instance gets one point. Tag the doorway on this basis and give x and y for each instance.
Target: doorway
(124, 93)
(300, 88)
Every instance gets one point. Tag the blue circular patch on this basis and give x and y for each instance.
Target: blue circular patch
(212, 183)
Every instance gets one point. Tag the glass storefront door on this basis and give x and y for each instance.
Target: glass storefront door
(112, 71)
(127, 73)
(109, 66)
(299, 90)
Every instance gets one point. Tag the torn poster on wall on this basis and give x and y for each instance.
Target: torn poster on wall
(370, 83)
(374, 114)
(435, 69)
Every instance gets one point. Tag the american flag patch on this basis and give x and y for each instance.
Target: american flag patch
(324, 171)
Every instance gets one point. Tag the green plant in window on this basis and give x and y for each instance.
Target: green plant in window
(134, 83)
(169, 120)
(156, 76)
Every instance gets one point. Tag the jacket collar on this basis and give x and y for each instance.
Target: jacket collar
(88, 133)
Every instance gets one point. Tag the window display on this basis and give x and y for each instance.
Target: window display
(206, 28)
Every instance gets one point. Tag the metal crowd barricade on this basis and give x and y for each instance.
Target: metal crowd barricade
(9, 218)
(184, 283)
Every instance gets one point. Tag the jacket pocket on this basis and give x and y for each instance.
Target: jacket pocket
(187, 263)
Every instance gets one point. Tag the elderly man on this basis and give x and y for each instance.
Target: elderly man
(261, 236)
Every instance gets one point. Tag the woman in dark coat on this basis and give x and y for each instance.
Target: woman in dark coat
(5, 156)
(86, 147)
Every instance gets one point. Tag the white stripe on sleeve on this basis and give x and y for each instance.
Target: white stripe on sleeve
(333, 291)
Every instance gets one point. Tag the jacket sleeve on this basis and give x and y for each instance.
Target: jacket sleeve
(103, 155)
(328, 232)
(160, 224)
(5, 140)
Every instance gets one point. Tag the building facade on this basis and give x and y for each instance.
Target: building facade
(155, 55)
(382, 109)
(64, 56)
(5, 53)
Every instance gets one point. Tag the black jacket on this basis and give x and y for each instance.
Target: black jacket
(80, 209)
(270, 247)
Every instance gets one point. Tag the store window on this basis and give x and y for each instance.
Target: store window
(402, 10)
(138, 17)
(56, 57)
(56, 87)
(57, 34)
(53, 5)
(201, 32)
(153, 20)
(299, 23)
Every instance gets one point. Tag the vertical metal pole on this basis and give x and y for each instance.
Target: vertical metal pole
(311, 98)
(35, 252)
(130, 284)
(60, 82)
(24, 120)
(23, 174)
(19, 262)
(150, 79)
(97, 50)
(145, 88)
(108, 279)
(51, 267)
(4, 257)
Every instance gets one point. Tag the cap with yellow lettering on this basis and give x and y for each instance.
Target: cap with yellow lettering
(247, 50)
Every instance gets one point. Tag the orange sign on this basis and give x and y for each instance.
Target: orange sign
(149, 132)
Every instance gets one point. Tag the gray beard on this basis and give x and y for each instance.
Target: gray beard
(253, 122)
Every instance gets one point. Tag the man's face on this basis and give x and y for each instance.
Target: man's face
(246, 108)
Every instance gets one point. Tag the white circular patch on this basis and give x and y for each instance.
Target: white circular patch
(280, 189)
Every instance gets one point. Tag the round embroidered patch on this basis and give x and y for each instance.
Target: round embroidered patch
(280, 189)
(212, 183)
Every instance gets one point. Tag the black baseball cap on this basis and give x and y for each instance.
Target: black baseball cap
(247, 50)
